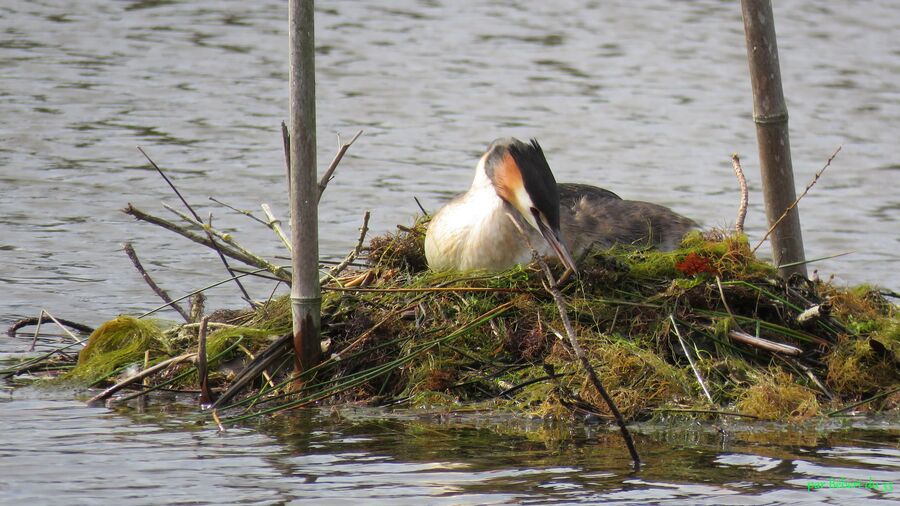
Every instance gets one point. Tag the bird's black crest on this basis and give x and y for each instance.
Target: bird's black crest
(536, 174)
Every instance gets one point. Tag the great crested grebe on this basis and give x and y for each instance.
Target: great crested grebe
(473, 231)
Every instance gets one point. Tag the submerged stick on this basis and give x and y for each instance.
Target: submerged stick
(553, 288)
(200, 221)
(742, 181)
(25, 322)
(794, 204)
(132, 255)
(329, 174)
(141, 375)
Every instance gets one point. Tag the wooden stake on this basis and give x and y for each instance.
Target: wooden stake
(771, 118)
(306, 298)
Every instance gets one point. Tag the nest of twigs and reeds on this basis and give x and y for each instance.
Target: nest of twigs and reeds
(704, 329)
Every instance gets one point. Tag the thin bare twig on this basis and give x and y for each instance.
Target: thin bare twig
(334, 271)
(230, 249)
(553, 288)
(690, 360)
(794, 204)
(226, 280)
(725, 303)
(742, 181)
(239, 211)
(275, 224)
(37, 330)
(199, 221)
(64, 329)
(132, 255)
(421, 208)
(334, 163)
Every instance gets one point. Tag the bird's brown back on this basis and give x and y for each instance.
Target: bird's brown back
(592, 216)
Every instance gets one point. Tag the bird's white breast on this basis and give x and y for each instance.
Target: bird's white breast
(474, 232)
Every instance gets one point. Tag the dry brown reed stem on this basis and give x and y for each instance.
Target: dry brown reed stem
(745, 199)
(329, 174)
(553, 288)
(202, 366)
(275, 224)
(265, 374)
(690, 360)
(256, 366)
(197, 305)
(215, 245)
(230, 250)
(337, 269)
(158, 290)
(794, 204)
(37, 330)
(215, 415)
(141, 375)
(764, 344)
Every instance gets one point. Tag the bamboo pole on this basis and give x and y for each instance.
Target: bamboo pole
(771, 118)
(306, 298)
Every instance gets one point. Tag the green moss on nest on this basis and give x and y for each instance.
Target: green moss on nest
(116, 344)
(776, 396)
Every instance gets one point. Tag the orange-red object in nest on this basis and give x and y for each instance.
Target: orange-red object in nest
(694, 264)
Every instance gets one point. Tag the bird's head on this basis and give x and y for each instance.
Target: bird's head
(521, 176)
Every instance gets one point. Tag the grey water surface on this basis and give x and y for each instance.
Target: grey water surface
(648, 99)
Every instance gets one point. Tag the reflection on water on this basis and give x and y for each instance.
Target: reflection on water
(346, 457)
(647, 100)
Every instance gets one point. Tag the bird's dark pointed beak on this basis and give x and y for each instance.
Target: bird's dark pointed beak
(552, 238)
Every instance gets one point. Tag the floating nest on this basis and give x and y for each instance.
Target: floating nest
(707, 329)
